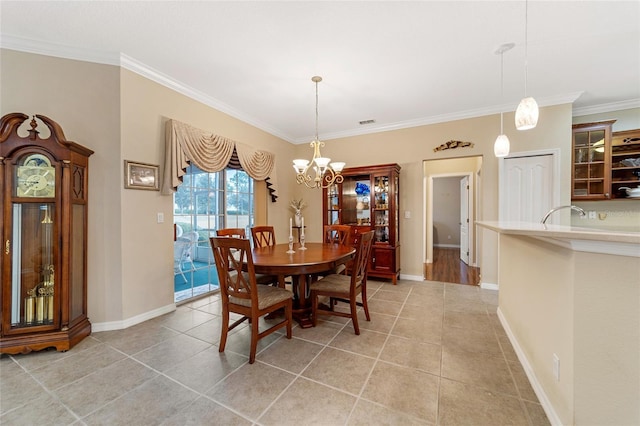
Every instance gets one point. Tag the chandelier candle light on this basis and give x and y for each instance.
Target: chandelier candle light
(326, 173)
(527, 112)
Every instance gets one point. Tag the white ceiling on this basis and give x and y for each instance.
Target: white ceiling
(399, 63)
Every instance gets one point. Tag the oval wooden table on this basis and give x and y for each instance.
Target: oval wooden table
(301, 266)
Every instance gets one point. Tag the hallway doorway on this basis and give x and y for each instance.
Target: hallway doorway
(443, 260)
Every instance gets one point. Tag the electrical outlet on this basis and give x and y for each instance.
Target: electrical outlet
(407, 214)
(556, 367)
(592, 214)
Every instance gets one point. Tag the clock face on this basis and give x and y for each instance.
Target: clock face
(36, 178)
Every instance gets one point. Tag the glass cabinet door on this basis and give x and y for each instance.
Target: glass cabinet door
(33, 260)
(356, 200)
(333, 205)
(591, 167)
(381, 208)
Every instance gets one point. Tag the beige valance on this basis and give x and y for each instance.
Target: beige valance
(212, 153)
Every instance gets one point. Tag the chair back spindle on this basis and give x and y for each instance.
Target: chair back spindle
(263, 236)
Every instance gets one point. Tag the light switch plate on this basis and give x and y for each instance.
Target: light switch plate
(160, 217)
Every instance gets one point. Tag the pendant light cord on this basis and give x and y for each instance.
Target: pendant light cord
(317, 111)
(526, 46)
(501, 88)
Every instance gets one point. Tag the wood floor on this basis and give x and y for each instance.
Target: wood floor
(447, 267)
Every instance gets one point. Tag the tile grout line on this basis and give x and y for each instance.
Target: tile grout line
(375, 362)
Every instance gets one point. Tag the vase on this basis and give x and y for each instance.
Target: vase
(298, 219)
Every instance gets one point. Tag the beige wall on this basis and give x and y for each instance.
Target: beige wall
(446, 217)
(120, 115)
(146, 245)
(411, 146)
(585, 308)
(84, 98)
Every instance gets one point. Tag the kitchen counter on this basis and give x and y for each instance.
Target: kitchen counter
(569, 301)
(623, 242)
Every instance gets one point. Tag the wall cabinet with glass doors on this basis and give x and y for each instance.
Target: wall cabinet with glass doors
(591, 162)
(605, 164)
(368, 199)
(44, 235)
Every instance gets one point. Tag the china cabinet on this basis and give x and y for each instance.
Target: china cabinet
(591, 162)
(367, 199)
(625, 162)
(44, 237)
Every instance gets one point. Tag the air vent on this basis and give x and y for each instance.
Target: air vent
(363, 122)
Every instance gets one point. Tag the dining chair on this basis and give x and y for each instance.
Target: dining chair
(337, 234)
(263, 236)
(340, 234)
(231, 232)
(242, 295)
(241, 233)
(345, 288)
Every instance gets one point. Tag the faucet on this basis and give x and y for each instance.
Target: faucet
(576, 208)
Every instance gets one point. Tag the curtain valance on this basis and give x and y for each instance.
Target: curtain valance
(211, 153)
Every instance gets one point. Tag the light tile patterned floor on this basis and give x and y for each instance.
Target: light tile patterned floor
(433, 353)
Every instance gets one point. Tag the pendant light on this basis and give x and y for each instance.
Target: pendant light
(527, 112)
(501, 145)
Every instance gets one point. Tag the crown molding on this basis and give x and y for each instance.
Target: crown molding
(566, 98)
(41, 47)
(58, 50)
(603, 108)
(116, 58)
(138, 67)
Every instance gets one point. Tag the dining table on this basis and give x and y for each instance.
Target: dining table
(303, 266)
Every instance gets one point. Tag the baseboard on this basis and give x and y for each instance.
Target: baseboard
(120, 325)
(489, 286)
(446, 246)
(535, 384)
(411, 277)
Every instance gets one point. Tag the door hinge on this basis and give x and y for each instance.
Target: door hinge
(7, 247)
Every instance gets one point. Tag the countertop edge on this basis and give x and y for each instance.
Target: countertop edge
(578, 239)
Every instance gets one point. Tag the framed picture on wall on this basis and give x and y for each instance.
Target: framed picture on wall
(141, 176)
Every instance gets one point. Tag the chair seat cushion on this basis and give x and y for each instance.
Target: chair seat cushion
(333, 283)
(267, 296)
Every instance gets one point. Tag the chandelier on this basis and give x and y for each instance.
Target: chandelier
(326, 173)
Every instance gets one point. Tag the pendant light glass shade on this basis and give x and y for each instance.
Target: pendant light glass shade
(527, 114)
(501, 146)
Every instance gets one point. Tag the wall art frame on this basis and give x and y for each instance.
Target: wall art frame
(141, 176)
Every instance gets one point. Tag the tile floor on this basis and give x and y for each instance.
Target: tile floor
(433, 353)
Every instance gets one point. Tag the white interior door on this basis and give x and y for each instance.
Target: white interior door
(528, 188)
(464, 219)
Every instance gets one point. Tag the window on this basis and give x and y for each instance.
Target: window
(203, 203)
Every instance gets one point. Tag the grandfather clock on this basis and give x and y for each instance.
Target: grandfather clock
(44, 237)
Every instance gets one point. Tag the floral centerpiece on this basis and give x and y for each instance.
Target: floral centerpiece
(297, 206)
